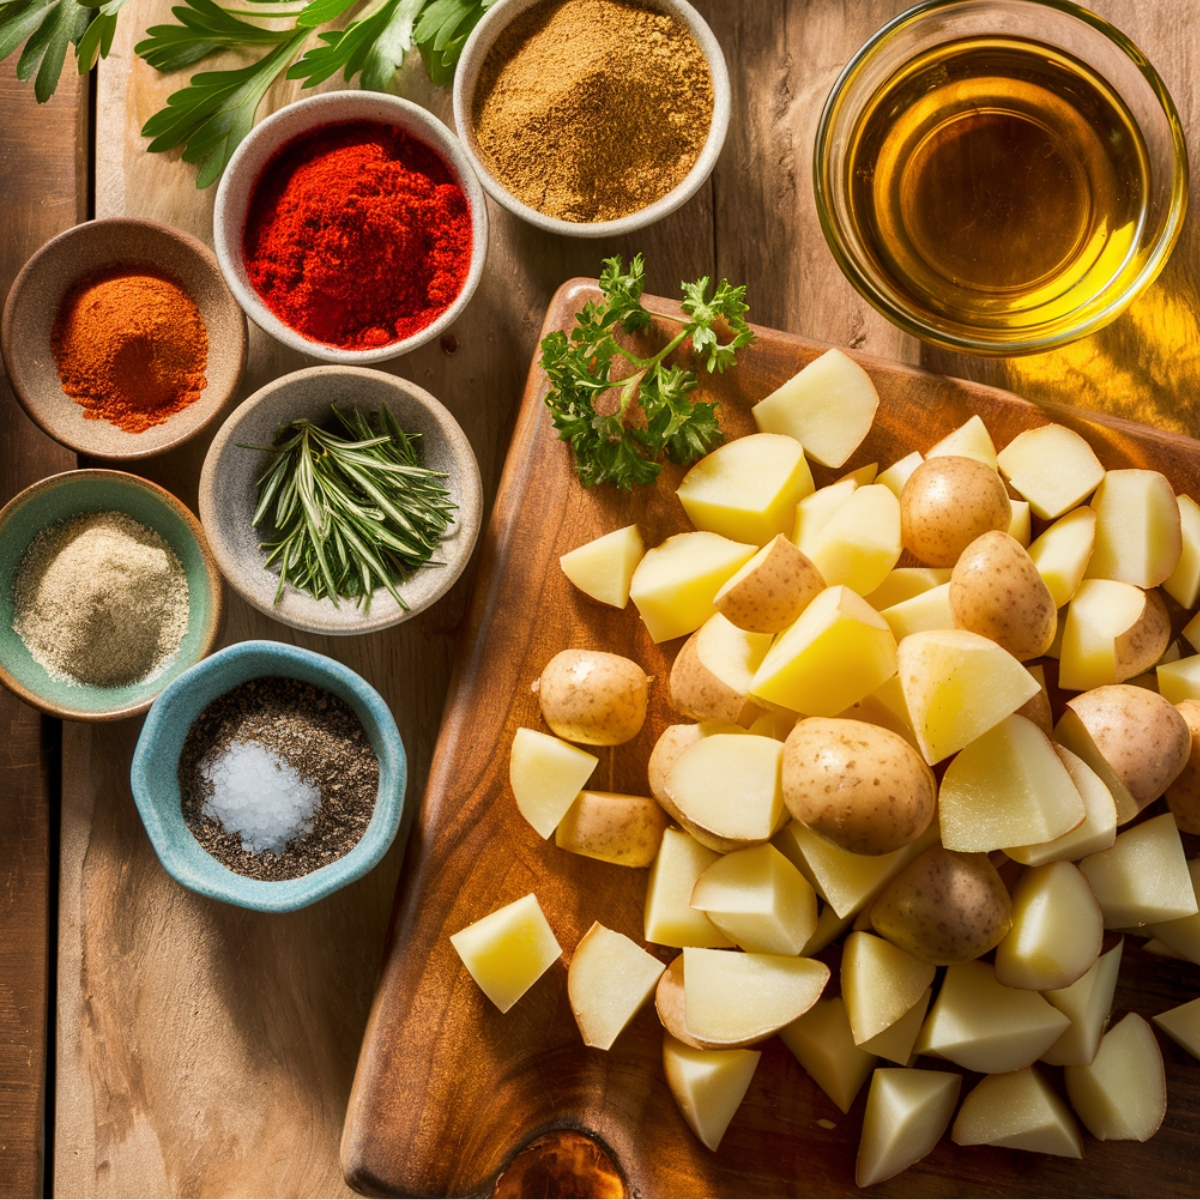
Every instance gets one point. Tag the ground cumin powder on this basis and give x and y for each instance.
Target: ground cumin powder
(589, 110)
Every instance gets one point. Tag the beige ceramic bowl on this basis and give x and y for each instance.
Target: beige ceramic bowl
(466, 77)
(228, 493)
(33, 304)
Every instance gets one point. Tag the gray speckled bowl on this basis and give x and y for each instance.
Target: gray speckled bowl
(33, 304)
(228, 493)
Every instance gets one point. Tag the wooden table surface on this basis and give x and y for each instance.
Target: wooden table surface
(202, 1050)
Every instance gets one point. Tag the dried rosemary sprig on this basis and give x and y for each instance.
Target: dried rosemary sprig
(348, 515)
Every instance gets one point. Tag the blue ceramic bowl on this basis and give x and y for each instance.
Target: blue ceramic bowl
(155, 775)
(59, 498)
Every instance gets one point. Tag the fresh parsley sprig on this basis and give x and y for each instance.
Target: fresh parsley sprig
(652, 414)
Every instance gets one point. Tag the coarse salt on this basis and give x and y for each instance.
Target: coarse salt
(259, 797)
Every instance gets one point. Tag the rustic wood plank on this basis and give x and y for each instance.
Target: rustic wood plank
(44, 188)
(204, 1049)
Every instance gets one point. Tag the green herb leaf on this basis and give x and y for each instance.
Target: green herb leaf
(374, 45)
(616, 446)
(204, 28)
(50, 27)
(442, 31)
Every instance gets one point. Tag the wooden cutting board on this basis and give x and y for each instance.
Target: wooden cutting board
(448, 1090)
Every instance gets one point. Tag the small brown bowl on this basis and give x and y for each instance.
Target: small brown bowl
(33, 304)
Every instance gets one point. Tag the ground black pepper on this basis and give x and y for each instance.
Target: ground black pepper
(318, 735)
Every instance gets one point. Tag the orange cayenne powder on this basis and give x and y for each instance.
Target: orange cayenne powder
(130, 346)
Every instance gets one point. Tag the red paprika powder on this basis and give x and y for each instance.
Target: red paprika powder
(358, 235)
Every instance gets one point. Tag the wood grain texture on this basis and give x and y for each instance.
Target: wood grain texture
(449, 1089)
(43, 187)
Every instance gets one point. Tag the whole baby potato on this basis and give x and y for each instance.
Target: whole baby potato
(996, 591)
(862, 787)
(944, 907)
(946, 504)
(592, 697)
(1183, 796)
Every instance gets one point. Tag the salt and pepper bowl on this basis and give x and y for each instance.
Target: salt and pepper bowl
(228, 493)
(155, 775)
(237, 186)
(33, 304)
(466, 77)
(58, 499)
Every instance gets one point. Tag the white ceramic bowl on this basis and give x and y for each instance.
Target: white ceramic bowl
(228, 493)
(466, 77)
(237, 184)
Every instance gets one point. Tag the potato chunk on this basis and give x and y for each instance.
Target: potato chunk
(1114, 631)
(1183, 795)
(1183, 584)
(929, 610)
(907, 1113)
(1088, 1002)
(708, 1085)
(771, 590)
(546, 775)
(712, 674)
(903, 583)
(880, 983)
(1020, 1111)
(896, 1042)
(1063, 551)
(828, 407)
(1182, 1026)
(730, 786)
(824, 1046)
(1138, 534)
(609, 980)
(1052, 467)
(602, 568)
(970, 440)
(747, 489)
(1122, 1094)
(860, 543)
(614, 828)
(670, 919)
(509, 950)
(896, 476)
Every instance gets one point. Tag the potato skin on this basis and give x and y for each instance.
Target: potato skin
(592, 697)
(860, 786)
(777, 589)
(696, 692)
(946, 504)
(944, 907)
(1183, 796)
(1140, 647)
(1143, 737)
(996, 591)
(614, 828)
(668, 1000)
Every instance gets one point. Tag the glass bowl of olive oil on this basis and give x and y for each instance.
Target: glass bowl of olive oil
(1000, 176)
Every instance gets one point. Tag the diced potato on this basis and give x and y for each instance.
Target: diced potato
(829, 927)
(896, 476)
(1180, 680)
(1099, 828)
(863, 476)
(880, 983)
(747, 490)
(670, 919)
(839, 651)
(509, 950)
(904, 583)
(675, 584)
(713, 672)
(984, 1026)
(969, 440)
(614, 828)
(824, 1046)
(672, 742)
(1019, 1111)
(1063, 552)
(1088, 1003)
(733, 996)
(896, 1042)
(1114, 631)
(1057, 930)
(609, 980)
(828, 407)
(845, 881)
(957, 686)
(670, 1003)
(1020, 528)
(1182, 1026)
(1138, 534)
(708, 1085)
(929, 610)
(1122, 1094)
(1183, 795)
(1183, 584)
(1007, 787)
(814, 512)
(1191, 631)
(603, 568)
(860, 543)
(771, 590)
(1143, 879)
(759, 899)
(1037, 707)
(730, 786)
(907, 1113)
(1052, 467)
(1183, 934)
(546, 775)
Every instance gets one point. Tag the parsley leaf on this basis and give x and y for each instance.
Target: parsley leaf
(203, 29)
(50, 27)
(441, 32)
(374, 45)
(653, 413)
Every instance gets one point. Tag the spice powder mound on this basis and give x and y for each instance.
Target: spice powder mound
(130, 346)
(589, 110)
(318, 736)
(358, 235)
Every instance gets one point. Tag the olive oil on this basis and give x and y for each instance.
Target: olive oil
(998, 183)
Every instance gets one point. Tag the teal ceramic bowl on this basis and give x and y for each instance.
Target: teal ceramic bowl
(155, 775)
(59, 498)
